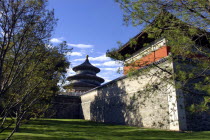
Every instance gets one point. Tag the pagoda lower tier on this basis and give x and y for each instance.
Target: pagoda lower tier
(92, 79)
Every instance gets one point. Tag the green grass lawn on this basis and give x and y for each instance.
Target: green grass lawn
(66, 129)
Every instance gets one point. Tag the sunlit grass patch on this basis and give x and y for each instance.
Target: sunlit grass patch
(67, 129)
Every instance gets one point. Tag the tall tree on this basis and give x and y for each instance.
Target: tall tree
(194, 12)
(29, 67)
(186, 26)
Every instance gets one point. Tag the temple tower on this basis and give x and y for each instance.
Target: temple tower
(84, 79)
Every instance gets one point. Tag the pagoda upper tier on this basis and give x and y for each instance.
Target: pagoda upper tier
(85, 77)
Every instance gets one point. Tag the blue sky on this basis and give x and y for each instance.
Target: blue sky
(91, 27)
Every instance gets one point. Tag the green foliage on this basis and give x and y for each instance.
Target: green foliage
(197, 108)
(186, 27)
(113, 54)
(194, 12)
(30, 67)
(132, 42)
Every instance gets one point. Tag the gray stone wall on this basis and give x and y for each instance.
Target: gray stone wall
(198, 120)
(66, 107)
(146, 100)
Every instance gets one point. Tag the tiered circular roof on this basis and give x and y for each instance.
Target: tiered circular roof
(86, 76)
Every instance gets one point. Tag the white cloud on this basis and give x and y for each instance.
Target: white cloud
(99, 58)
(70, 72)
(80, 59)
(74, 53)
(108, 63)
(56, 40)
(106, 76)
(106, 79)
(112, 64)
(109, 75)
(110, 69)
(81, 46)
(96, 64)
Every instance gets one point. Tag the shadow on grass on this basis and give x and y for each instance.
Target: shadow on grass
(65, 129)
